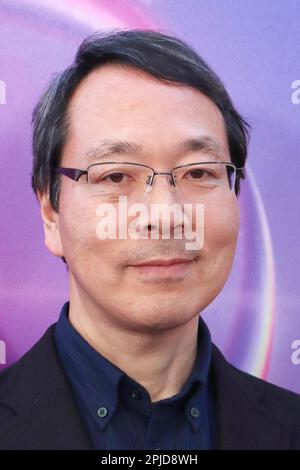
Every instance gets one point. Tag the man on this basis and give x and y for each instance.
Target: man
(130, 363)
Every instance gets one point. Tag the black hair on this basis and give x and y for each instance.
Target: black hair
(161, 55)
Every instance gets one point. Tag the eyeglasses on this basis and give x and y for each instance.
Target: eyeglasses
(192, 181)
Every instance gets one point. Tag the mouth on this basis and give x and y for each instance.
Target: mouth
(175, 268)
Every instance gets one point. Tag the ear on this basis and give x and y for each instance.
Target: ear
(51, 225)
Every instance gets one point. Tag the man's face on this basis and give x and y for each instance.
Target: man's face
(121, 103)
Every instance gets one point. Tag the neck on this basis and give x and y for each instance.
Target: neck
(161, 361)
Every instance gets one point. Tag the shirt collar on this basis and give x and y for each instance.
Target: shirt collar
(97, 381)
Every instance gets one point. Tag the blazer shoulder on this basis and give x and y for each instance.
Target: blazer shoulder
(26, 364)
(38, 409)
(282, 404)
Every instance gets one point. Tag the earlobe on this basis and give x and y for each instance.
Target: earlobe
(51, 225)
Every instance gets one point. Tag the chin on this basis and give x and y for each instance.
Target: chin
(160, 318)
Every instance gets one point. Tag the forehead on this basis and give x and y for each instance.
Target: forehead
(120, 102)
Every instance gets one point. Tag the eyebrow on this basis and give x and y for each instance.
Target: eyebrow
(108, 148)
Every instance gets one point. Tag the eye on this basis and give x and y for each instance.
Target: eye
(197, 173)
(115, 177)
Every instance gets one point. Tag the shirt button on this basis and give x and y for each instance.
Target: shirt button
(102, 412)
(195, 412)
(135, 394)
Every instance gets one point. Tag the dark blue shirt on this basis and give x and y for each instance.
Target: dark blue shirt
(117, 411)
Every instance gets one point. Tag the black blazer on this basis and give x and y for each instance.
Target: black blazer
(38, 411)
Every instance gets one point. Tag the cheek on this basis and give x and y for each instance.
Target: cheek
(85, 253)
(77, 236)
(221, 225)
(77, 225)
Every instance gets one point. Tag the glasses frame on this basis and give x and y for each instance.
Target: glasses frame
(76, 173)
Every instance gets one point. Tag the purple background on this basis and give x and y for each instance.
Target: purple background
(255, 48)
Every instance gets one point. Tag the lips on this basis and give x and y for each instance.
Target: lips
(163, 262)
(159, 269)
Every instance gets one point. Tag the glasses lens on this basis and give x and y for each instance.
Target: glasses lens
(204, 180)
(118, 179)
